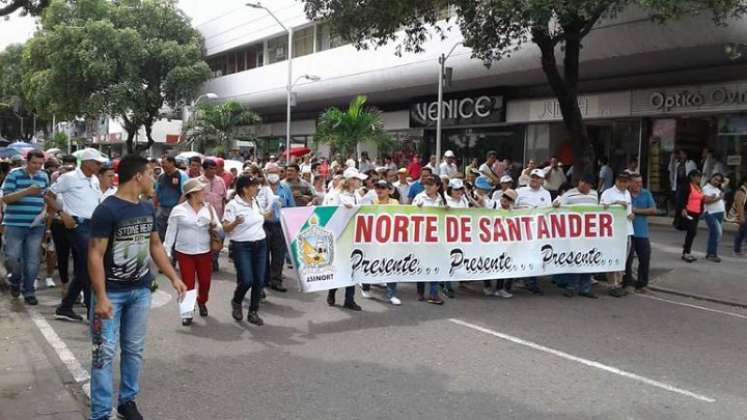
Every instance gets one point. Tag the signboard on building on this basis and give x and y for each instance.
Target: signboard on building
(459, 111)
(691, 99)
(606, 105)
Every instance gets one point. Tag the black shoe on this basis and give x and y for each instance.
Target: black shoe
(15, 291)
(128, 411)
(31, 300)
(278, 287)
(352, 306)
(569, 293)
(216, 268)
(187, 322)
(588, 295)
(450, 293)
(619, 292)
(236, 311)
(203, 310)
(253, 318)
(67, 315)
(331, 300)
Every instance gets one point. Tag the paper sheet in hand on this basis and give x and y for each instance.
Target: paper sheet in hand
(187, 305)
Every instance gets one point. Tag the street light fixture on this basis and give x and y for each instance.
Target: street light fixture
(441, 75)
(289, 87)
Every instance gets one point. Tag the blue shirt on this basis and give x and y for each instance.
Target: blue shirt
(415, 189)
(128, 227)
(23, 212)
(644, 200)
(286, 199)
(169, 188)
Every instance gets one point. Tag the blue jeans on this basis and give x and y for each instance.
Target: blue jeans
(250, 259)
(128, 326)
(23, 253)
(715, 224)
(579, 282)
(79, 238)
(433, 288)
(740, 237)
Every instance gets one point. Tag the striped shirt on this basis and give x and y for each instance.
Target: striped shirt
(23, 212)
(574, 197)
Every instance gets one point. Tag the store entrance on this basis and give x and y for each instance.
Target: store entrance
(469, 143)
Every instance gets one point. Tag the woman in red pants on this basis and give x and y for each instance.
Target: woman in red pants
(188, 237)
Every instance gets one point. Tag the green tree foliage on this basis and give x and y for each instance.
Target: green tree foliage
(127, 59)
(493, 29)
(57, 141)
(343, 130)
(27, 7)
(14, 105)
(216, 125)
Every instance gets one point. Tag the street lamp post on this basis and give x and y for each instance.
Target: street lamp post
(441, 74)
(289, 86)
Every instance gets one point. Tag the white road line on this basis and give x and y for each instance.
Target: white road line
(79, 373)
(586, 362)
(689, 305)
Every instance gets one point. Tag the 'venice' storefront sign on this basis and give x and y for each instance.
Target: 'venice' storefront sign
(459, 111)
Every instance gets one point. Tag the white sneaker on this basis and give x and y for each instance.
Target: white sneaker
(36, 284)
(394, 301)
(503, 294)
(487, 291)
(50, 282)
(365, 294)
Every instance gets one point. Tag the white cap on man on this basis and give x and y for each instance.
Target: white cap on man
(538, 173)
(449, 154)
(351, 173)
(506, 179)
(92, 154)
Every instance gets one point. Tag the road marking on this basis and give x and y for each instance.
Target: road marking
(159, 298)
(690, 305)
(80, 374)
(590, 363)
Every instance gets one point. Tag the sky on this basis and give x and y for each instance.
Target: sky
(18, 29)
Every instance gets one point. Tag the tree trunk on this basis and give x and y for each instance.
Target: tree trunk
(566, 92)
(143, 147)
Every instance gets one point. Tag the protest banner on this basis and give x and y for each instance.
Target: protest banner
(333, 246)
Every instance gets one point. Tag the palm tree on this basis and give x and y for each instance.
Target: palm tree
(216, 125)
(345, 130)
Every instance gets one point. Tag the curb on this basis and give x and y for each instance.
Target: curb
(698, 297)
(662, 221)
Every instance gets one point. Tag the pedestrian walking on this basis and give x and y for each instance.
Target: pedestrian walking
(169, 189)
(640, 246)
(713, 197)
(383, 198)
(243, 223)
(737, 214)
(215, 194)
(448, 167)
(195, 167)
(123, 241)
(433, 196)
(272, 197)
(80, 195)
(188, 240)
(25, 224)
(689, 208)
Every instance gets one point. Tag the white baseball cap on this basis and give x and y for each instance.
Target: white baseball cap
(456, 184)
(351, 173)
(350, 163)
(449, 154)
(538, 172)
(92, 154)
(505, 179)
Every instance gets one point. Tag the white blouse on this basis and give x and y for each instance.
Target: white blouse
(426, 201)
(189, 232)
(251, 230)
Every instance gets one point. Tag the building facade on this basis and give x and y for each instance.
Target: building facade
(647, 89)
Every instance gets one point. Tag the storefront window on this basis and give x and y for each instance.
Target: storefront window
(731, 149)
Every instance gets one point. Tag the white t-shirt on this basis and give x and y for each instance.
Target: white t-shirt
(612, 195)
(80, 194)
(252, 229)
(529, 198)
(449, 170)
(367, 198)
(404, 189)
(715, 207)
(462, 203)
(423, 200)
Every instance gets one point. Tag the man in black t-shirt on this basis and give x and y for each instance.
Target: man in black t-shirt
(123, 240)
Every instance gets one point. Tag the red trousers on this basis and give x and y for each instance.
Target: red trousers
(200, 264)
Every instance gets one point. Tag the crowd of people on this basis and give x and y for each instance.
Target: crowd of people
(117, 219)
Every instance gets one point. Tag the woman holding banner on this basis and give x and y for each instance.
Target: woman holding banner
(383, 198)
(431, 197)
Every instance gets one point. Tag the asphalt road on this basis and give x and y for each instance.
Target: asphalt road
(641, 357)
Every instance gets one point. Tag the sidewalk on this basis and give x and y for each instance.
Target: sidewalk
(31, 387)
(724, 282)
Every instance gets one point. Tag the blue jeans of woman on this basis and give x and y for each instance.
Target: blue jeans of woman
(250, 259)
(128, 326)
(715, 222)
(23, 253)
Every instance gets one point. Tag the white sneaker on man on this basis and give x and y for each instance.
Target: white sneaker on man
(394, 301)
(503, 294)
(36, 284)
(365, 294)
(50, 282)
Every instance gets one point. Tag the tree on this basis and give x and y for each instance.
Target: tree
(494, 29)
(16, 113)
(57, 141)
(344, 130)
(216, 125)
(27, 7)
(128, 59)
